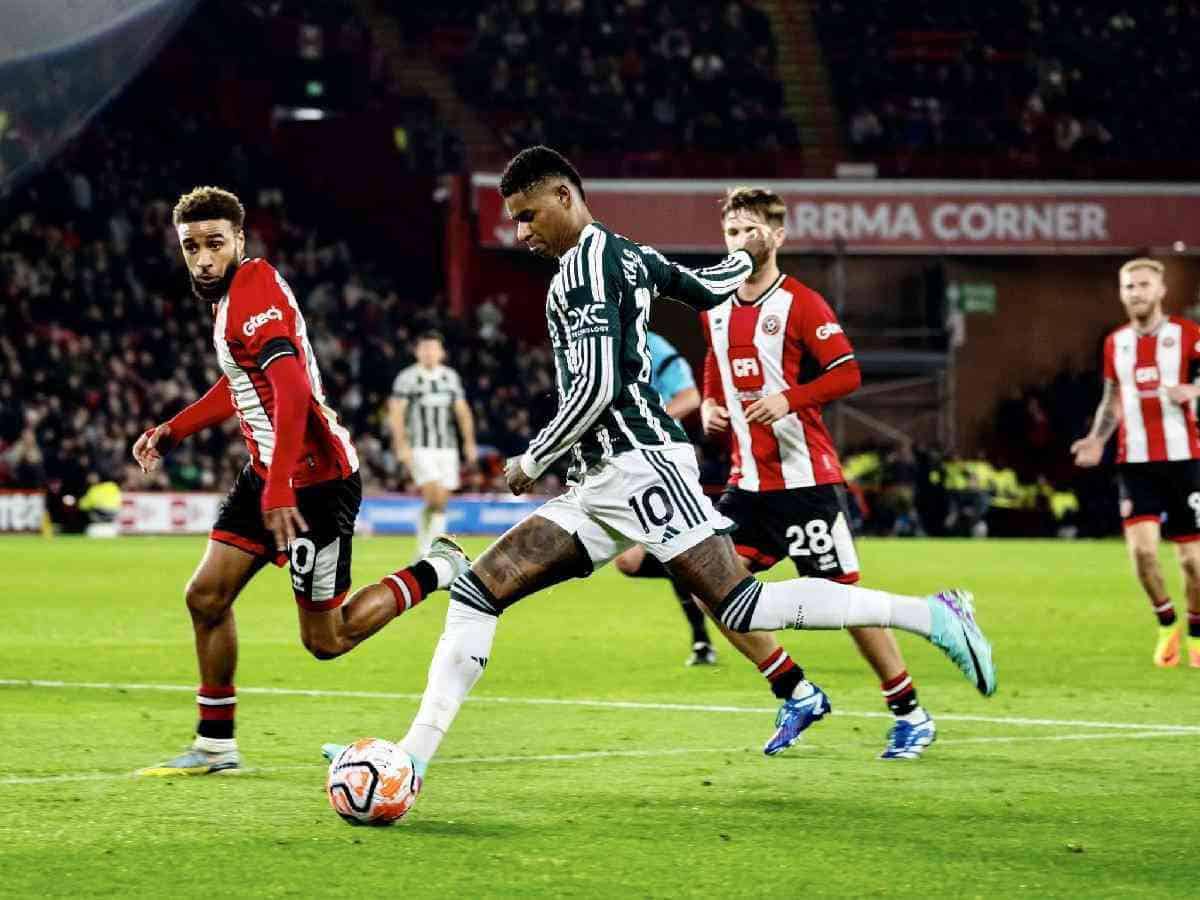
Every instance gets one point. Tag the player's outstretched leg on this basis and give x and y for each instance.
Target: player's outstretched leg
(533, 554)
(330, 632)
(742, 603)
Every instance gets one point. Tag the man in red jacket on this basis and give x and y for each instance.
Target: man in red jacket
(296, 500)
(776, 355)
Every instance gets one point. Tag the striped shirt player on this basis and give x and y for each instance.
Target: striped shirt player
(1157, 441)
(297, 498)
(633, 472)
(255, 325)
(1150, 394)
(429, 396)
(785, 488)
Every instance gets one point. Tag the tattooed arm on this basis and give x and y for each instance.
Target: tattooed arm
(1088, 450)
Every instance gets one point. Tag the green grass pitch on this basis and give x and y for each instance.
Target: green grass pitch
(1077, 779)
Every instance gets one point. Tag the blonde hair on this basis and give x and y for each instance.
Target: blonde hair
(766, 203)
(1142, 262)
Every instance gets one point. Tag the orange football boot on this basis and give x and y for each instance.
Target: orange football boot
(1166, 651)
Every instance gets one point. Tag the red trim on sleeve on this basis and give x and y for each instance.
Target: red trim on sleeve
(838, 382)
(292, 395)
(713, 388)
(213, 408)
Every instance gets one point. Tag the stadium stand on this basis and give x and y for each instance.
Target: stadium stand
(631, 87)
(99, 339)
(1015, 89)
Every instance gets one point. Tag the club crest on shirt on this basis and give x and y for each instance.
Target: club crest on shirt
(771, 324)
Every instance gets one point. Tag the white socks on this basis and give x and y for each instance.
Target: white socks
(814, 603)
(429, 525)
(437, 524)
(459, 660)
(444, 570)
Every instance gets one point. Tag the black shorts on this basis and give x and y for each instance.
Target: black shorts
(810, 525)
(1166, 492)
(320, 557)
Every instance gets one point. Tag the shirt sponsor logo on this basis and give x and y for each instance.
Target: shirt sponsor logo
(828, 330)
(745, 369)
(582, 321)
(771, 324)
(1145, 374)
(258, 321)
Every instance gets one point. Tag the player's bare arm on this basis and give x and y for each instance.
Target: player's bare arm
(1088, 450)
(466, 428)
(397, 410)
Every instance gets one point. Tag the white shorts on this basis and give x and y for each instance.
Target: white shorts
(434, 465)
(647, 497)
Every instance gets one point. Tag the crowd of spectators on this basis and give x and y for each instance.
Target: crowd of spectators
(1048, 87)
(100, 337)
(627, 76)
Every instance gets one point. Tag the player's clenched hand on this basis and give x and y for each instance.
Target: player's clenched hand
(768, 409)
(146, 451)
(285, 522)
(1087, 452)
(518, 481)
(714, 417)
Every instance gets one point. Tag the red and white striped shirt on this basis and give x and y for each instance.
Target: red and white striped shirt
(784, 339)
(1143, 366)
(253, 317)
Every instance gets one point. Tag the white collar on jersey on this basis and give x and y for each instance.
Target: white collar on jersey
(738, 301)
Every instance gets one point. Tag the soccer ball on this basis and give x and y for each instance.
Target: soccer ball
(372, 782)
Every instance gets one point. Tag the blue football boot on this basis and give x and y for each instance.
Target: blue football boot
(794, 716)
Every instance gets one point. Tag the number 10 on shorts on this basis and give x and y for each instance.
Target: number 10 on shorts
(654, 507)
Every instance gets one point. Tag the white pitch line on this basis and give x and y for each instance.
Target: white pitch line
(604, 754)
(596, 704)
(449, 761)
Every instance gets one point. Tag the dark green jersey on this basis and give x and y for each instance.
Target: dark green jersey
(598, 311)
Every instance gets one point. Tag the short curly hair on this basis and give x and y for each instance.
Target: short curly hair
(763, 201)
(208, 202)
(534, 165)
